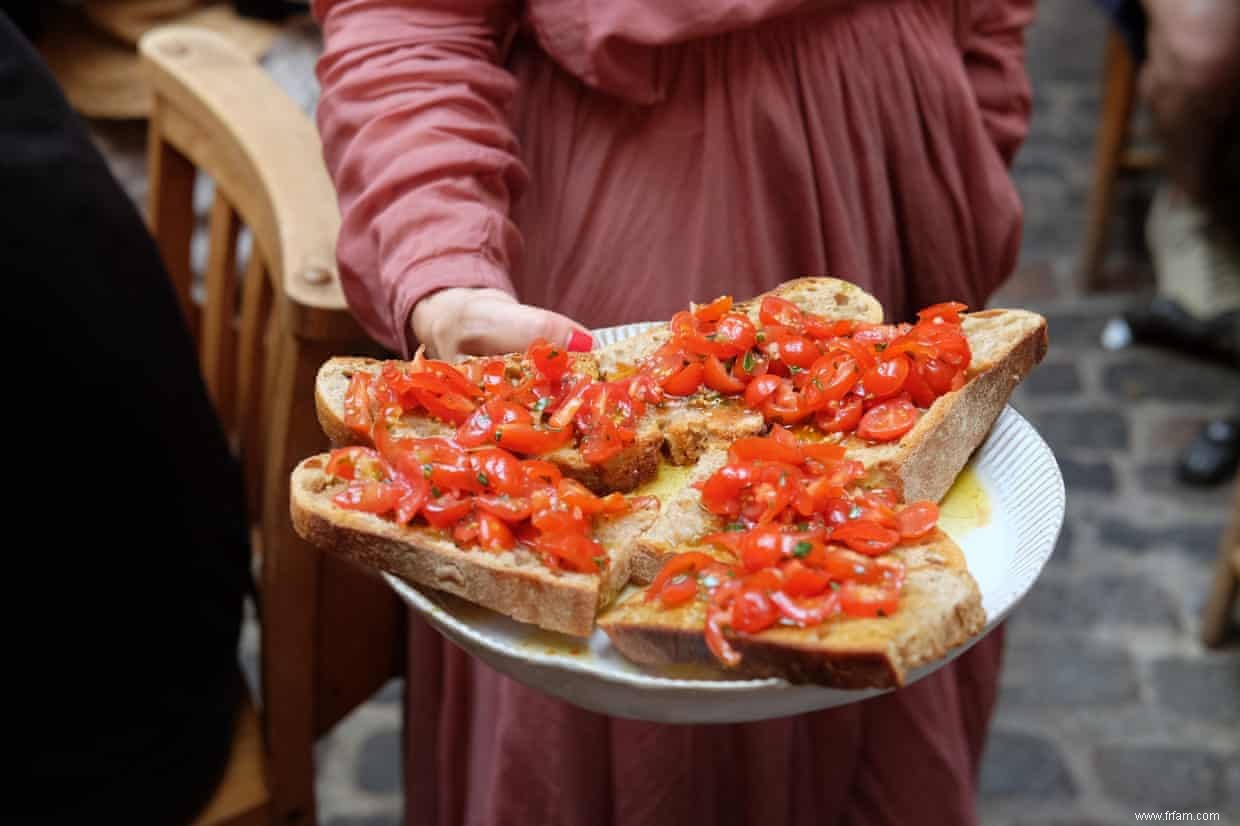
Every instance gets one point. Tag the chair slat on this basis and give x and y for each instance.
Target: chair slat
(219, 337)
(256, 295)
(170, 211)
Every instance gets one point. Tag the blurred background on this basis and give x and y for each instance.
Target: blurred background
(1110, 701)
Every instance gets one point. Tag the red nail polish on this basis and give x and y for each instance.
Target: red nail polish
(580, 342)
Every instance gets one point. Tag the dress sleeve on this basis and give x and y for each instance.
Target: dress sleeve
(994, 54)
(416, 135)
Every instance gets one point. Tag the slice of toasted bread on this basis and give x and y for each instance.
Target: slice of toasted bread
(1006, 345)
(940, 608)
(681, 520)
(622, 472)
(515, 583)
(696, 425)
(828, 297)
(691, 426)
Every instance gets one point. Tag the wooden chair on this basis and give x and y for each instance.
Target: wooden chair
(1113, 154)
(1220, 604)
(331, 635)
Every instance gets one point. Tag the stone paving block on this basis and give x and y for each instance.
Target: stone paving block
(1064, 44)
(1151, 374)
(1207, 689)
(1067, 672)
(1160, 778)
(1019, 765)
(1086, 476)
(1166, 436)
(1071, 332)
(1090, 427)
(1052, 379)
(1196, 538)
(379, 763)
(1160, 478)
(1080, 602)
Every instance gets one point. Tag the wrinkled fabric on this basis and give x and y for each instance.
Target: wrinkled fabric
(614, 161)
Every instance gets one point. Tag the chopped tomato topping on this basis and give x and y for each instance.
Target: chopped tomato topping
(718, 378)
(357, 415)
(548, 359)
(888, 421)
(685, 381)
(917, 520)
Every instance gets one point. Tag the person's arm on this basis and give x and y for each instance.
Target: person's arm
(416, 135)
(994, 53)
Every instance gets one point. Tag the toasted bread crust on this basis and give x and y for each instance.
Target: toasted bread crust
(524, 589)
(956, 425)
(940, 609)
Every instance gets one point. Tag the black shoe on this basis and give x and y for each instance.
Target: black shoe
(1164, 323)
(1213, 454)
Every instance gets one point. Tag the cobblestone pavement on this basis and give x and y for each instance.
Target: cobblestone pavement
(1109, 705)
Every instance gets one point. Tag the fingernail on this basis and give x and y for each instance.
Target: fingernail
(580, 342)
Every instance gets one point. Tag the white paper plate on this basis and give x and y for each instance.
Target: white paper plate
(1005, 513)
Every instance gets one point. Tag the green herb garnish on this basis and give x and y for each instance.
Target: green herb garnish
(483, 480)
(802, 549)
(747, 364)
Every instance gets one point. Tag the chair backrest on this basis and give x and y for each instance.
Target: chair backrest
(330, 634)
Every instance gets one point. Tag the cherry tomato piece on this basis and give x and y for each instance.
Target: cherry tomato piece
(917, 520)
(887, 421)
(753, 611)
(866, 537)
(718, 378)
(686, 381)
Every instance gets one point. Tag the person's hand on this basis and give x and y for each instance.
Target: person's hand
(462, 321)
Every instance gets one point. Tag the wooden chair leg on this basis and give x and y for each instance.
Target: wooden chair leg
(1118, 95)
(290, 590)
(1225, 586)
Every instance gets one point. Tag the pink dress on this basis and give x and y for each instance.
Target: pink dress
(614, 160)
